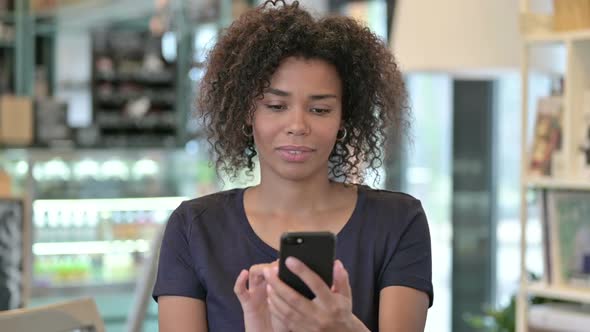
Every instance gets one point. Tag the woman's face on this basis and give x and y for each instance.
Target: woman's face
(296, 122)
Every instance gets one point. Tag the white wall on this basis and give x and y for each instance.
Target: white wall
(73, 71)
(456, 34)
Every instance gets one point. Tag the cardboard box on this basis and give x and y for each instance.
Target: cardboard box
(16, 120)
(571, 14)
(5, 184)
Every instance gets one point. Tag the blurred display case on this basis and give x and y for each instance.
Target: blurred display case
(96, 212)
(92, 243)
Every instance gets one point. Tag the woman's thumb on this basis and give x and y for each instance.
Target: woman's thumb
(341, 282)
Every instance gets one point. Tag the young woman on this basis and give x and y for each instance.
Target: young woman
(312, 99)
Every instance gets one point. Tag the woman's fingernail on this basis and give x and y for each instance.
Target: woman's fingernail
(339, 264)
(266, 272)
(291, 262)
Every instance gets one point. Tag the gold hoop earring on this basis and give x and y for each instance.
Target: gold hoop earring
(344, 133)
(246, 132)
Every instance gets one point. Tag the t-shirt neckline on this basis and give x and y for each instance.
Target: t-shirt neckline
(272, 252)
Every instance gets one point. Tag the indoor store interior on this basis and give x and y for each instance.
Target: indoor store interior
(100, 142)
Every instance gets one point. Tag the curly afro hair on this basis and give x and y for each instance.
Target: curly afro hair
(240, 65)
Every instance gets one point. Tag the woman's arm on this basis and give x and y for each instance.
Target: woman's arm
(180, 314)
(402, 309)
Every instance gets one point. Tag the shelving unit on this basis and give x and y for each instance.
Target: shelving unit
(111, 181)
(26, 52)
(577, 80)
(18, 55)
(550, 183)
(559, 292)
(7, 48)
(179, 171)
(557, 37)
(133, 88)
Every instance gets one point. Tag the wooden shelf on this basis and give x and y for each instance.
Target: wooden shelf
(164, 77)
(581, 295)
(549, 183)
(559, 55)
(557, 37)
(545, 38)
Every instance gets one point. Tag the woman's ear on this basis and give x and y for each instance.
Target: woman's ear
(247, 125)
(250, 117)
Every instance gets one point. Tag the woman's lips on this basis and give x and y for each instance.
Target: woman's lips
(295, 154)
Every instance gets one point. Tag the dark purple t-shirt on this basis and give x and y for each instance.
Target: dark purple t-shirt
(209, 240)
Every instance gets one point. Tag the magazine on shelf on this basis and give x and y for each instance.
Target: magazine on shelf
(546, 238)
(547, 136)
(569, 222)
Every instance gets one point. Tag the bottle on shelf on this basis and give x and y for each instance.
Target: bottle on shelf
(40, 229)
(67, 231)
(53, 230)
(92, 223)
(105, 226)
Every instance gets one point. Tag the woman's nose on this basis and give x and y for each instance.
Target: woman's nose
(298, 122)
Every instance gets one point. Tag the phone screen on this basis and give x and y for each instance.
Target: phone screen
(315, 249)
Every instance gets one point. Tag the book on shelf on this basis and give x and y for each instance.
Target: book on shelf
(547, 137)
(583, 148)
(558, 317)
(568, 215)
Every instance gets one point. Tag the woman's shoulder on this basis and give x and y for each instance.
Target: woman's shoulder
(388, 198)
(391, 208)
(211, 204)
(204, 221)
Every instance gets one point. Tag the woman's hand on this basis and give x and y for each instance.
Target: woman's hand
(253, 299)
(330, 310)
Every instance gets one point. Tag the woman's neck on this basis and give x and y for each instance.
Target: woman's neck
(281, 196)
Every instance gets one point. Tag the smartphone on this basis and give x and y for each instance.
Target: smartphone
(315, 249)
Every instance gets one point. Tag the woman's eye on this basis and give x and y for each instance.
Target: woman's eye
(276, 107)
(320, 110)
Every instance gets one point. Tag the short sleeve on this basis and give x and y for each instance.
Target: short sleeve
(177, 274)
(410, 264)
